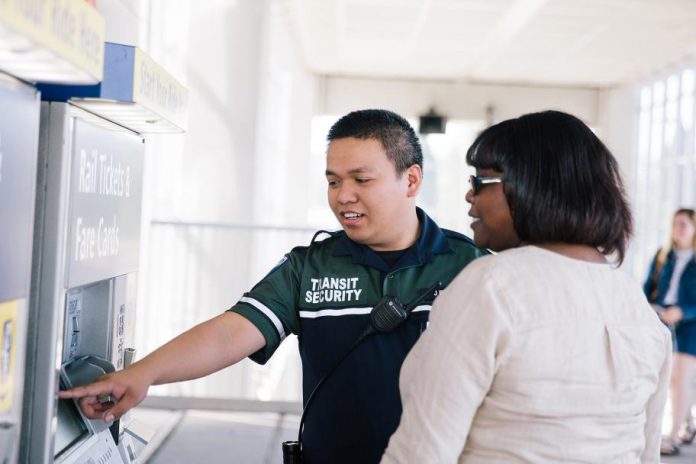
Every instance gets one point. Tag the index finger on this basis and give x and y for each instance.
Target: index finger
(99, 388)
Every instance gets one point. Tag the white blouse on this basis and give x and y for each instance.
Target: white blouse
(532, 356)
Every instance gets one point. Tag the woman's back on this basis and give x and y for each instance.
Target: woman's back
(582, 362)
(532, 356)
(561, 355)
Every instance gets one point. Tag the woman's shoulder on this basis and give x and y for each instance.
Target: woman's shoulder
(527, 255)
(497, 269)
(527, 265)
(508, 259)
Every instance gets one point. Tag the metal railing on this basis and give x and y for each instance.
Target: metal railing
(192, 271)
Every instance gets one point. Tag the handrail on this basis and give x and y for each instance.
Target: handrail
(233, 225)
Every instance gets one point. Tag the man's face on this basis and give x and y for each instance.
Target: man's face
(373, 204)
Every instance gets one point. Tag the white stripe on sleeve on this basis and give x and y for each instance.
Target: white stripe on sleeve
(267, 311)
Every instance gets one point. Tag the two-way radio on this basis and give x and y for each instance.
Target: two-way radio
(387, 314)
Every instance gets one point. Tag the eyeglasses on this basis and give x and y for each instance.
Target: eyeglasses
(477, 182)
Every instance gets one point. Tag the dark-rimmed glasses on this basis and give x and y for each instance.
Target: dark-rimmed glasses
(477, 182)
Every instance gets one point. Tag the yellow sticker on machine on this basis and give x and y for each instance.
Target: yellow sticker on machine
(8, 328)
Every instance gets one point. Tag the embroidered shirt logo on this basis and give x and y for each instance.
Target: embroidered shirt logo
(333, 289)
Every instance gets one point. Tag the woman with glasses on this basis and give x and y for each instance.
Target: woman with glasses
(544, 352)
(671, 288)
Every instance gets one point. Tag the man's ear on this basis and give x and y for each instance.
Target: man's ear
(414, 176)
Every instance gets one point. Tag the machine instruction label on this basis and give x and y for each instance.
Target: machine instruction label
(105, 197)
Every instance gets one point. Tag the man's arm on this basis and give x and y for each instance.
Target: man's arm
(206, 348)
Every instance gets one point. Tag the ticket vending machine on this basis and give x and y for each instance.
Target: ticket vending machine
(86, 243)
(19, 139)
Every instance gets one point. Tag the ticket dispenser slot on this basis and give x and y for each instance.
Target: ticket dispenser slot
(78, 439)
(85, 370)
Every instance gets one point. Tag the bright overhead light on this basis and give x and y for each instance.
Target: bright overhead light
(35, 64)
(35, 47)
(134, 116)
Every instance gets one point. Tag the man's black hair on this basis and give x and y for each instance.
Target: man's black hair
(395, 134)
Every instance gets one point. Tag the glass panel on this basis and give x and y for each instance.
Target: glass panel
(658, 92)
(686, 122)
(673, 87)
(686, 191)
(671, 134)
(670, 187)
(656, 133)
(665, 161)
(645, 97)
(687, 81)
(642, 162)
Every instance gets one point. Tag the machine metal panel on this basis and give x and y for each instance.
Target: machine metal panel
(65, 133)
(47, 286)
(19, 139)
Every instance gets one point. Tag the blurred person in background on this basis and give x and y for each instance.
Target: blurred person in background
(671, 289)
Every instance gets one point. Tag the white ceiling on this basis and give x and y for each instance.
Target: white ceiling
(566, 42)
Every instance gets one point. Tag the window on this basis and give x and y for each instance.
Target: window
(666, 161)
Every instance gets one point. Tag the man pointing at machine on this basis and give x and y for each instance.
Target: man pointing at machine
(324, 293)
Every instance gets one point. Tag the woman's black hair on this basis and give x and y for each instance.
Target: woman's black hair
(561, 182)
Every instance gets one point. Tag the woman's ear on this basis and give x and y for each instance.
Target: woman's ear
(414, 176)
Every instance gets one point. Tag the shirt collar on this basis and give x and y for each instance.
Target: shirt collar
(431, 241)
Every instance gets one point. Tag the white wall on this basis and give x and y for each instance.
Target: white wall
(618, 127)
(456, 100)
(285, 108)
(126, 20)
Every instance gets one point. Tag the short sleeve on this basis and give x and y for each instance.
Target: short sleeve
(271, 305)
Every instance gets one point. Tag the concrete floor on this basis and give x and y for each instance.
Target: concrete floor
(687, 455)
(254, 438)
(227, 437)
